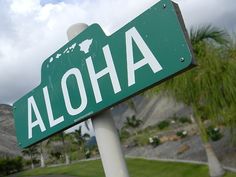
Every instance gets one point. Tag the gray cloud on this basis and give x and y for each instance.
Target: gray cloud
(5, 25)
(221, 13)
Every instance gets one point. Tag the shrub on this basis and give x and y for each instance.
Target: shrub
(182, 133)
(87, 154)
(18, 163)
(133, 122)
(163, 124)
(155, 141)
(185, 120)
(57, 155)
(214, 133)
(10, 165)
(124, 134)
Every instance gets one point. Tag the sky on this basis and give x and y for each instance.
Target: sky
(32, 30)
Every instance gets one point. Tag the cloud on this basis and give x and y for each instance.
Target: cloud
(220, 13)
(31, 30)
(24, 7)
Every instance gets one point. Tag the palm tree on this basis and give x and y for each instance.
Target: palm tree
(80, 139)
(202, 87)
(59, 146)
(65, 148)
(133, 122)
(31, 152)
(229, 112)
(130, 103)
(42, 160)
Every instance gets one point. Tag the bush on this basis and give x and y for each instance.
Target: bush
(74, 155)
(140, 140)
(10, 165)
(133, 122)
(154, 141)
(163, 124)
(124, 134)
(182, 133)
(214, 133)
(87, 154)
(185, 120)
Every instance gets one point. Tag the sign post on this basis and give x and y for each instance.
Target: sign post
(109, 145)
(106, 133)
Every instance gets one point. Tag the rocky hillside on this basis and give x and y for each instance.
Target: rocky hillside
(8, 143)
(150, 110)
(158, 108)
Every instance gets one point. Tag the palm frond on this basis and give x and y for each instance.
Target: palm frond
(208, 32)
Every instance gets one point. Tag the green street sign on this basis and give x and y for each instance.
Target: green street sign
(93, 72)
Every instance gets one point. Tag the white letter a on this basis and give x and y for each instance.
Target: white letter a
(39, 121)
(149, 58)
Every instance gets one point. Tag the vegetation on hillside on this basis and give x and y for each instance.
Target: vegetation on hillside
(10, 165)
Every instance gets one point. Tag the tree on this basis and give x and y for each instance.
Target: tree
(133, 122)
(229, 111)
(202, 87)
(65, 148)
(10, 165)
(131, 104)
(59, 146)
(31, 151)
(80, 139)
(42, 160)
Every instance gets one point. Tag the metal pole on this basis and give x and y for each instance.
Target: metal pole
(109, 145)
(106, 133)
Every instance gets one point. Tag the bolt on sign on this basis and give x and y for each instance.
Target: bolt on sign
(93, 72)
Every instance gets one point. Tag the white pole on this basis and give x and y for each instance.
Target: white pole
(76, 29)
(105, 130)
(109, 145)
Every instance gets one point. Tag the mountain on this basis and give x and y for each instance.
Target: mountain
(8, 142)
(150, 110)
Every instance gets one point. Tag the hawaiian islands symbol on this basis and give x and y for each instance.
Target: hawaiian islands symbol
(85, 45)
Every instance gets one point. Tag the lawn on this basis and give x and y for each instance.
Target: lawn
(137, 168)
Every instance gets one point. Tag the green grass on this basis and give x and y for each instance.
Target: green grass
(137, 168)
